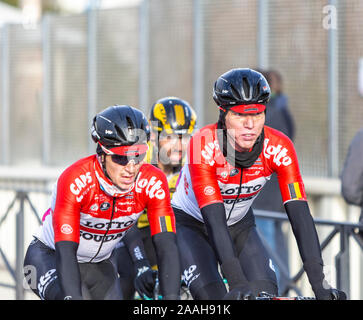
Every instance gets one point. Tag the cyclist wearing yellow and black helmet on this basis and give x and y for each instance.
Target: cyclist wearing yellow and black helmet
(172, 122)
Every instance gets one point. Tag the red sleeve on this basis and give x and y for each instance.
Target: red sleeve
(203, 157)
(159, 211)
(66, 216)
(283, 160)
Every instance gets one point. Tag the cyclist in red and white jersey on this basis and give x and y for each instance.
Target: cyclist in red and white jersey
(229, 162)
(95, 202)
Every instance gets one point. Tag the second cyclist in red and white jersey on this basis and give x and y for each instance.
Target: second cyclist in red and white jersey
(228, 164)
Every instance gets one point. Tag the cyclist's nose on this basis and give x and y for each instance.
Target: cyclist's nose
(131, 166)
(248, 122)
(179, 144)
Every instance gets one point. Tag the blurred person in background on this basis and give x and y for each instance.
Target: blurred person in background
(228, 163)
(278, 116)
(352, 175)
(172, 121)
(95, 202)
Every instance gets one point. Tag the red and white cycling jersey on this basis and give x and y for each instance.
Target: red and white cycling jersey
(208, 178)
(86, 208)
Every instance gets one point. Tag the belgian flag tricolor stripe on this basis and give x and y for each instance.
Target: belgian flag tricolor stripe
(295, 191)
(165, 224)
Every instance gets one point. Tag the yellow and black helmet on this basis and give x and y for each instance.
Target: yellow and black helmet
(172, 115)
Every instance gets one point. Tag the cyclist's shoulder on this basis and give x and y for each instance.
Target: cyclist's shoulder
(83, 166)
(276, 136)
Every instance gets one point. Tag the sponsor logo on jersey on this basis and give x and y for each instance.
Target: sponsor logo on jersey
(231, 201)
(153, 187)
(105, 206)
(186, 185)
(66, 229)
(100, 237)
(243, 189)
(94, 207)
(233, 172)
(224, 174)
(256, 173)
(80, 183)
(208, 150)
(108, 225)
(278, 153)
(209, 190)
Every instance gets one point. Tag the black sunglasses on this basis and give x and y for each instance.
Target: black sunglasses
(124, 160)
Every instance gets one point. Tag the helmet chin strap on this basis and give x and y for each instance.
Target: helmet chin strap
(102, 159)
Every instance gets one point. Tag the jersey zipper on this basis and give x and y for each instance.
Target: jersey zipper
(239, 192)
(108, 228)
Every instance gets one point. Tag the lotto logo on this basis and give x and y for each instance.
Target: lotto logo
(44, 282)
(153, 187)
(279, 154)
(189, 275)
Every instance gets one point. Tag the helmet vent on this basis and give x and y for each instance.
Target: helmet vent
(245, 86)
(235, 93)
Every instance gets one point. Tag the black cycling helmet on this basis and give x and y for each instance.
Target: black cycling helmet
(172, 115)
(122, 130)
(242, 90)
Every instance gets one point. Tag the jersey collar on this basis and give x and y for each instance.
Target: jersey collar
(106, 184)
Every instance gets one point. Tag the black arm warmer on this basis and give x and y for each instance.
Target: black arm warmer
(68, 269)
(307, 240)
(215, 220)
(135, 245)
(168, 264)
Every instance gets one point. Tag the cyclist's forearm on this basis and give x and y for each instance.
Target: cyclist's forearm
(68, 269)
(215, 221)
(216, 224)
(307, 240)
(134, 244)
(168, 264)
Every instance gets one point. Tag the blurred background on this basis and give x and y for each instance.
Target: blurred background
(62, 61)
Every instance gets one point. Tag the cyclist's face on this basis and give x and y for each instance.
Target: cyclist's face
(172, 148)
(244, 129)
(122, 176)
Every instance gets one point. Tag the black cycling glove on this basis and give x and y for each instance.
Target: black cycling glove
(329, 294)
(239, 288)
(145, 279)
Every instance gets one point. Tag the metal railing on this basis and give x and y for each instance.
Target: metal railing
(21, 182)
(17, 272)
(346, 230)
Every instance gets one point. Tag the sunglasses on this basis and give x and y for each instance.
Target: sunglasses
(124, 160)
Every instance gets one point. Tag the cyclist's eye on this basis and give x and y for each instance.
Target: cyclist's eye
(124, 160)
(121, 160)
